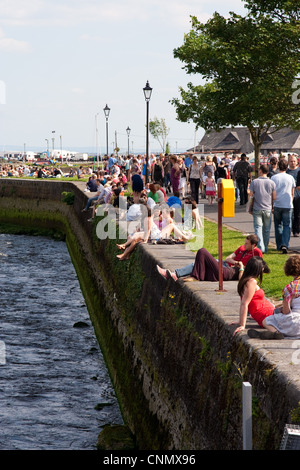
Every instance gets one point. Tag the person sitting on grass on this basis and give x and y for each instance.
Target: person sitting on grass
(206, 267)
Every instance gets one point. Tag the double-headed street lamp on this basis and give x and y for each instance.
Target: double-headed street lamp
(128, 133)
(147, 93)
(106, 112)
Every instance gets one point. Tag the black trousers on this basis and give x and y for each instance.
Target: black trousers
(296, 215)
(242, 184)
(195, 184)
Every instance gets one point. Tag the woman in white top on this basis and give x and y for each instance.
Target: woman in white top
(152, 231)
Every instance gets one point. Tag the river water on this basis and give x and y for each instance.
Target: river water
(55, 390)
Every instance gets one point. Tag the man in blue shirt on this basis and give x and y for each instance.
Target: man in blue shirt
(111, 161)
(188, 161)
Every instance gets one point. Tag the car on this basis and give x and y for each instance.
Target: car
(251, 159)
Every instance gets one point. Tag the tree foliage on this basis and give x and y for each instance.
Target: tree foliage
(248, 65)
(284, 10)
(159, 130)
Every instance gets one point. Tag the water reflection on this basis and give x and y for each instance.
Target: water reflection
(54, 377)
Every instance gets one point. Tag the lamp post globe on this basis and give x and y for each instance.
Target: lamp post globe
(106, 113)
(128, 134)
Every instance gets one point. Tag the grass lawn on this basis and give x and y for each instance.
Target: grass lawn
(274, 282)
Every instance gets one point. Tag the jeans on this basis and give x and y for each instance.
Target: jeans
(89, 202)
(283, 225)
(188, 269)
(262, 225)
(167, 179)
(185, 271)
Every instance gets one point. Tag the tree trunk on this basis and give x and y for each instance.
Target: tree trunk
(257, 143)
(257, 157)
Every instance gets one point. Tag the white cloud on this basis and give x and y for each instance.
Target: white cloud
(75, 12)
(18, 12)
(12, 45)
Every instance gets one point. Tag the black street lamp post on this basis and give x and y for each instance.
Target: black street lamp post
(106, 112)
(128, 133)
(147, 93)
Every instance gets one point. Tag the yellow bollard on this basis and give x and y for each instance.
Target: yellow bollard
(228, 196)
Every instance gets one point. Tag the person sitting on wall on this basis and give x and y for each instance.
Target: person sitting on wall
(206, 267)
(93, 198)
(157, 225)
(284, 322)
(254, 302)
(92, 185)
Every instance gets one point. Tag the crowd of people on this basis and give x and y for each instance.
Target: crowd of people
(151, 214)
(276, 182)
(161, 204)
(276, 192)
(274, 195)
(35, 171)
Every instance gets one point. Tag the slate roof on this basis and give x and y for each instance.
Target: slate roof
(238, 139)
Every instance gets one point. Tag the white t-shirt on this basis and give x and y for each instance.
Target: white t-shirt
(284, 184)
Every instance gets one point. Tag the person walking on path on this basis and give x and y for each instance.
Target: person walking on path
(263, 191)
(194, 178)
(167, 173)
(175, 174)
(157, 173)
(283, 206)
(293, 170)
(242, 173)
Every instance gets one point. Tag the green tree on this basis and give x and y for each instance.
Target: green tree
(248, 65)
(286, 11)
(159, 130)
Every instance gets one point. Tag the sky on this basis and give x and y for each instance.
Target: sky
(63, 61)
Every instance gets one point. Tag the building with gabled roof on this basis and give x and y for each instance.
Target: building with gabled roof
(238, 140)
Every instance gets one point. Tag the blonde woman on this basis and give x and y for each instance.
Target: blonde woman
(209, 165)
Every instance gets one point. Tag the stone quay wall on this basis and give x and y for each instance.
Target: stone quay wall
(176, 368)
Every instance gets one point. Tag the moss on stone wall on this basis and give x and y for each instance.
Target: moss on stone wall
(176, 386)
